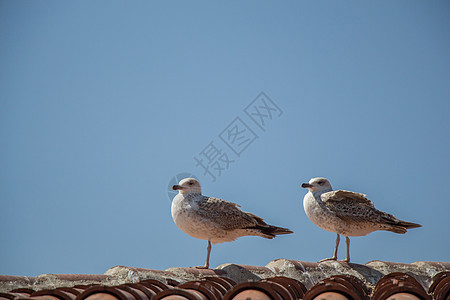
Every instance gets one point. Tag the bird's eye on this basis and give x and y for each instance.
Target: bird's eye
(321, 182)
(191, 183)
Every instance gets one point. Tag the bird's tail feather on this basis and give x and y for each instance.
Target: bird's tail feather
(409, 225)
(397, 229)
(279, 230)
(266, 230)
(401, 226)
(269, 231)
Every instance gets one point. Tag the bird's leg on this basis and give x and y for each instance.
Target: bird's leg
(335, 250)
(338, 239)
(206, 266)
(209, 253)
(347, 241)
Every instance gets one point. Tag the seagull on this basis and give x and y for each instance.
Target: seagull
(346, 213)
(214, 219)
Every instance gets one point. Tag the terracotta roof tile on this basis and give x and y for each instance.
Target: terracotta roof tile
(8, 295)
(61, 293)
(344, 285)
(312, 273)
(8, 283)
(220, 284)
(279, 279)
(132, 274)
(98, 292)
(397, 282)
(258, 290)
(295, 287)
(241, 273)
(155, 285)
(440, 287)
(432, 264)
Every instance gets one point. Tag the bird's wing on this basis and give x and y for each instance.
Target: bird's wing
(346, 196)
(350, 206)
(355, 207)
(227, 215)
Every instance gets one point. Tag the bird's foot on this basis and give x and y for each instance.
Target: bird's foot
(328, 259)
(202, 267)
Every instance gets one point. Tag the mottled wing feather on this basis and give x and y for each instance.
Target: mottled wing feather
(259, 221)
(352, 207)
(227, 215)
(341, 195)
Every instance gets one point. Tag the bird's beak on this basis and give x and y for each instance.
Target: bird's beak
(177, 187)
(306, 185)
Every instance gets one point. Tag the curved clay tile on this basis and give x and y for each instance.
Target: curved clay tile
(204, 287)
(223, 285)
(396, 283)
(254, 290)
(154, 285)
(294, 286)
(345, 285)
(65, 293)
(177, 293)
(440, 288)
(101, 292)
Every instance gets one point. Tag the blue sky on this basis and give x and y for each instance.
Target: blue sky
(102, 103)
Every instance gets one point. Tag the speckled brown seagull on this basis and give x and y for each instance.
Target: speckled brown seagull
(214, 219)
(346, 213)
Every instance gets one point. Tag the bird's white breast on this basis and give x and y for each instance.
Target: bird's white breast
(186, 217)
(183, 214)
(320, 215)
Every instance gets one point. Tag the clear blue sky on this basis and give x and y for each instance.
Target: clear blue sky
(103, 102)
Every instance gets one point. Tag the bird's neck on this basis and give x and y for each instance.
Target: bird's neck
(192, 195)
(317, 195)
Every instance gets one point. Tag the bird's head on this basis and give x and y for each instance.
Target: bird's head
(188, 186)
(318, 184)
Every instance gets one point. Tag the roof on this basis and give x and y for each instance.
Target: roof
(279, 279)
